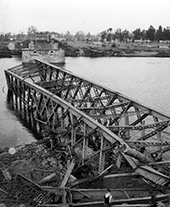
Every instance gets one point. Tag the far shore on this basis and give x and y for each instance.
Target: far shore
(99, 49)
(131, 49)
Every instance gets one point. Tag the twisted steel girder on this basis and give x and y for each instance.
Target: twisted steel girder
(87, 117)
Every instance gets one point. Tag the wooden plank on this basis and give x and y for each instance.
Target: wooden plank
(47, 178)
(68, 173)
(153, 175)
(121, 175)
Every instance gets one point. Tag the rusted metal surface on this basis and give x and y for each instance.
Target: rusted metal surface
(89, 123)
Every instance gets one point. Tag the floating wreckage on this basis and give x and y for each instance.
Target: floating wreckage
(90, 138)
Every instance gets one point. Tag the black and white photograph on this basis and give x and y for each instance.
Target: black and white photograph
(84, 103)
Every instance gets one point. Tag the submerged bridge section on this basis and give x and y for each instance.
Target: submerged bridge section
(96, 126)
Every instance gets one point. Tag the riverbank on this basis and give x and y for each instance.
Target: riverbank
(99, 49)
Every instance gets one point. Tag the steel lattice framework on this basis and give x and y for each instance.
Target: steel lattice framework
(89, 120)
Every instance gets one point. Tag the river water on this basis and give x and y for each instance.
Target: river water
(146, 80)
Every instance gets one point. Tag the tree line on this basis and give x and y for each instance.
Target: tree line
(150, 34)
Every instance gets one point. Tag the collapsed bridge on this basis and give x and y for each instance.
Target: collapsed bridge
(90, 121)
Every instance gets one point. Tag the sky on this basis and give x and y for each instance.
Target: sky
(92, 16)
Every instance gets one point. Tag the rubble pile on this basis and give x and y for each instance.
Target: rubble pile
(25, 170)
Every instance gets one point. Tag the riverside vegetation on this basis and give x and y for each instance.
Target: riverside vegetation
(99, 49)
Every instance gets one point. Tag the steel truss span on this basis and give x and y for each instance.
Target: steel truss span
(93, 123)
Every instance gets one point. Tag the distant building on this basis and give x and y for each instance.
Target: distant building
(39, 36)
(55, 35)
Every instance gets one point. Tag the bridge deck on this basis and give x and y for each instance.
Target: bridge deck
(90, 120)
